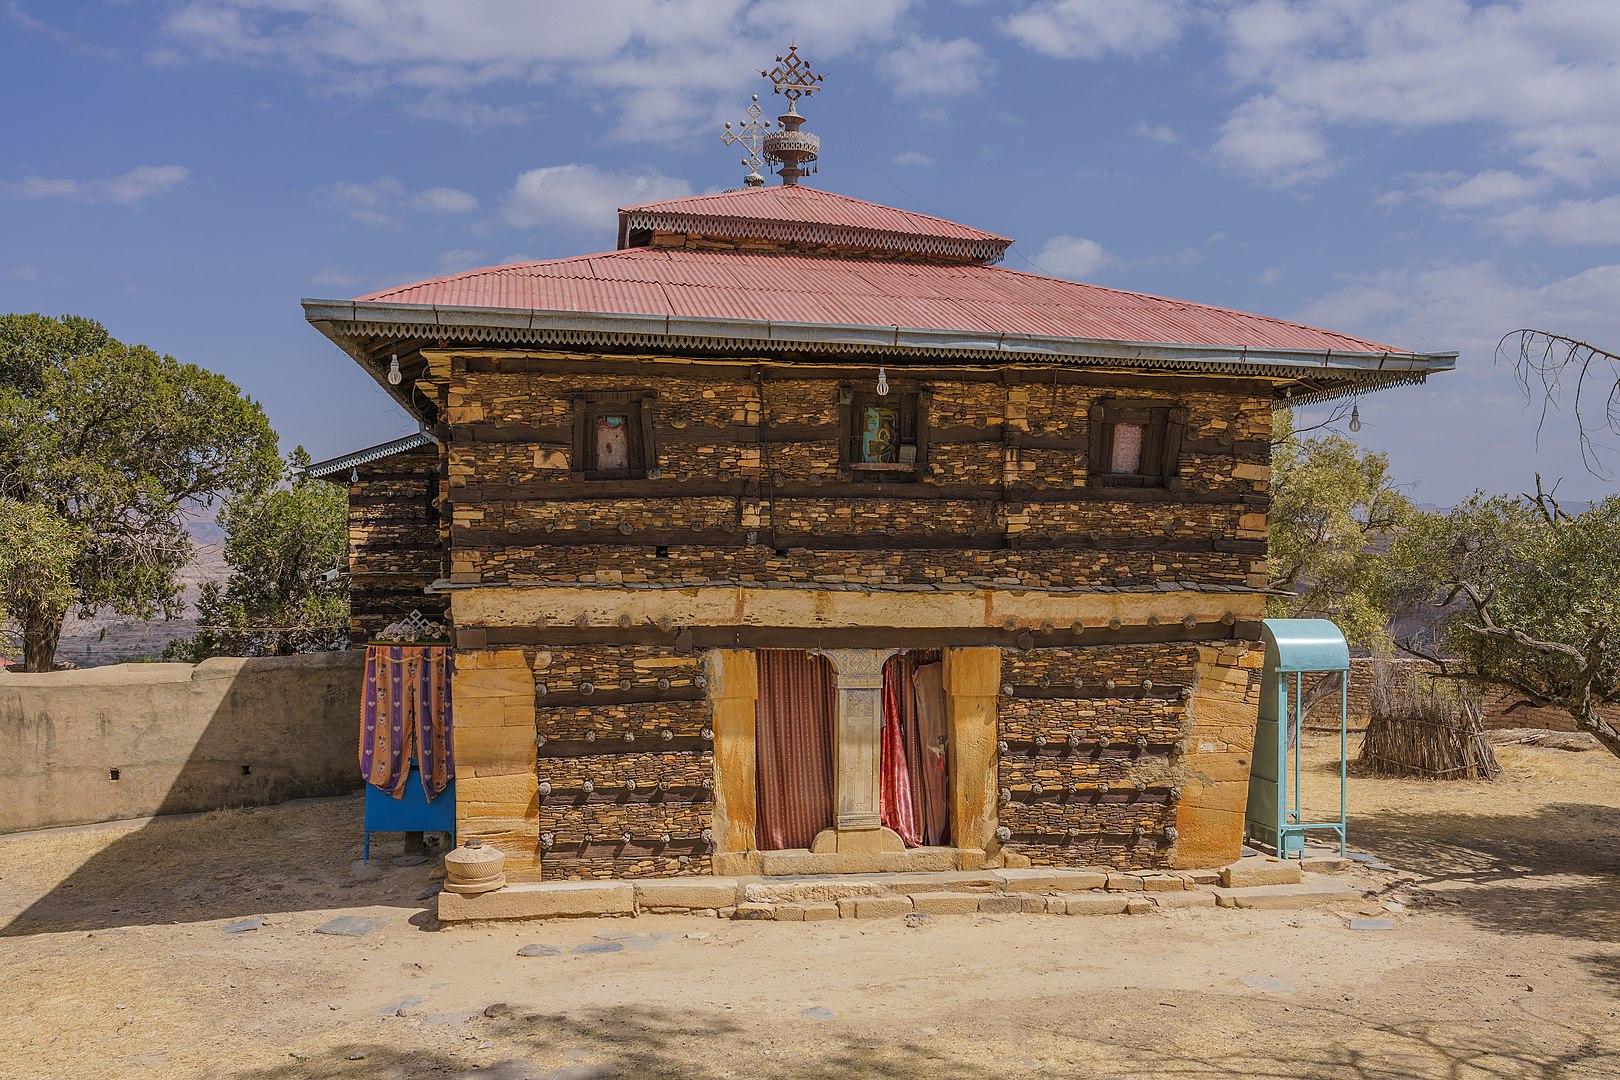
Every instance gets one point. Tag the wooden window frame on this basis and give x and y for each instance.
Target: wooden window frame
(637, 406)
(1163, 426)
(906, 395)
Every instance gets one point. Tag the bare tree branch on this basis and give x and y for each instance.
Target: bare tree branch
(1543, 361)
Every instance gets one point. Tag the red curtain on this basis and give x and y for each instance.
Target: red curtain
(794, 742)
(913, 794)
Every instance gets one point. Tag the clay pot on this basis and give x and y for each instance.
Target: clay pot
(473, 868)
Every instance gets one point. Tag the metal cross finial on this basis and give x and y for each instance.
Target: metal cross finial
(750, 135)
(792, 76)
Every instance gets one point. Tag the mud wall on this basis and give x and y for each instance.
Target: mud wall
(132, 740)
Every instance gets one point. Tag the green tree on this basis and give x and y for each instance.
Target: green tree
(1530, 600)
(107, 445)
(281, 544)
(1334, 511)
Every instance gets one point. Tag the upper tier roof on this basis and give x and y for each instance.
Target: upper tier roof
(954, 298)
(808, 216)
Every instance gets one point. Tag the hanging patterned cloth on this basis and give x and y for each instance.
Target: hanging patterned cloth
(896, 808)
(405, 715)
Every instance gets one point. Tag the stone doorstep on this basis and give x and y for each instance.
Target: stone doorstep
(1006, 892)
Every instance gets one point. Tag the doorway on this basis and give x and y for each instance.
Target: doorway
(914, 792)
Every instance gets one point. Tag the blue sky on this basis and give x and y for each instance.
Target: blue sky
(1429, 173)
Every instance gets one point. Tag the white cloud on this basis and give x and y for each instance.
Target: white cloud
(128, 189)
(929, 67)
(663, 68)
(372, 203)
(458, 259)
(24, 273)
(445, 200)
(1089, 29)
(1485, 188)
(1538, 74)
(1273, 142)
(1071, 256)
(913, 157)
(1570, 221)
(381, 203)
(1159, 133)
(583, 197)
(1475, 422)
(1270, 276)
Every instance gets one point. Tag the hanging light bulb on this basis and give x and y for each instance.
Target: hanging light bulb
(354, 476)
(1355, 418)
(883, 382)
(393, 370)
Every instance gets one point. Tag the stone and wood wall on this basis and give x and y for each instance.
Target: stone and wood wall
(1100, 642)
(396, 541)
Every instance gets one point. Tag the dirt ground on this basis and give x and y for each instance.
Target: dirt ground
(1505, 963)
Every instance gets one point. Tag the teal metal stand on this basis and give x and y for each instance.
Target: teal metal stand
(1294, 648)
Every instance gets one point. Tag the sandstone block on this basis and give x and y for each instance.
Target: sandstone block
(1138, 905)
(1124, 883)
(1033, 903)
(1094, 904)
(797, 863)
(754, 912)
(803, 892)
(874, 907)
(945, 903)
(1160, 883)
(690, 892)
(1001, 905)
(1047, 880)
(1175, 900)
(541, 900)
(819, 912)
(1259, 870)
(790, 913)
(970, 859)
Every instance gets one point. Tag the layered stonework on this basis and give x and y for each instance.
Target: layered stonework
(396, 548)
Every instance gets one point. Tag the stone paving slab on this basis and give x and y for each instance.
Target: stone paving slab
(350, 926)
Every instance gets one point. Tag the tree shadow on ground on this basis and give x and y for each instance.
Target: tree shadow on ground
(227, 864)
(1554, 871)
(651, 1041)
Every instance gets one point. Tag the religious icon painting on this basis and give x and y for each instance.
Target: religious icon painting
(880, 435)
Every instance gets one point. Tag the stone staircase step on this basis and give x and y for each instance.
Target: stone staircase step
(1286, 896)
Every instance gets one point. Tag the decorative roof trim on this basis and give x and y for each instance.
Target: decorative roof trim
(320, 470)
(880, 241)
(375, 319)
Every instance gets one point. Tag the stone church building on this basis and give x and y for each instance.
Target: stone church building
(796, 535)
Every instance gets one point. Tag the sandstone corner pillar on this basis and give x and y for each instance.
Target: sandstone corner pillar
(1221, 715)
(497, 785)
(734, 701)
(972, 684)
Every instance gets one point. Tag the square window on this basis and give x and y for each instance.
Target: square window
(1135, 444)
(885, 435)
(613, 436)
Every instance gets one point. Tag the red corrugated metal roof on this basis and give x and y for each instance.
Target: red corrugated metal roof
(806, 215)
(963, 297)
(811, 206)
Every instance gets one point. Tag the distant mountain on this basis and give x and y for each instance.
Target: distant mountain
(105, 638)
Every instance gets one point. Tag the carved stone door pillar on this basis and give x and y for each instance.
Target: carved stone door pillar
(858, 730)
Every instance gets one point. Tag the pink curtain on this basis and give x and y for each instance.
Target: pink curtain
(793, 738)
(405, 714)
(895, 806)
